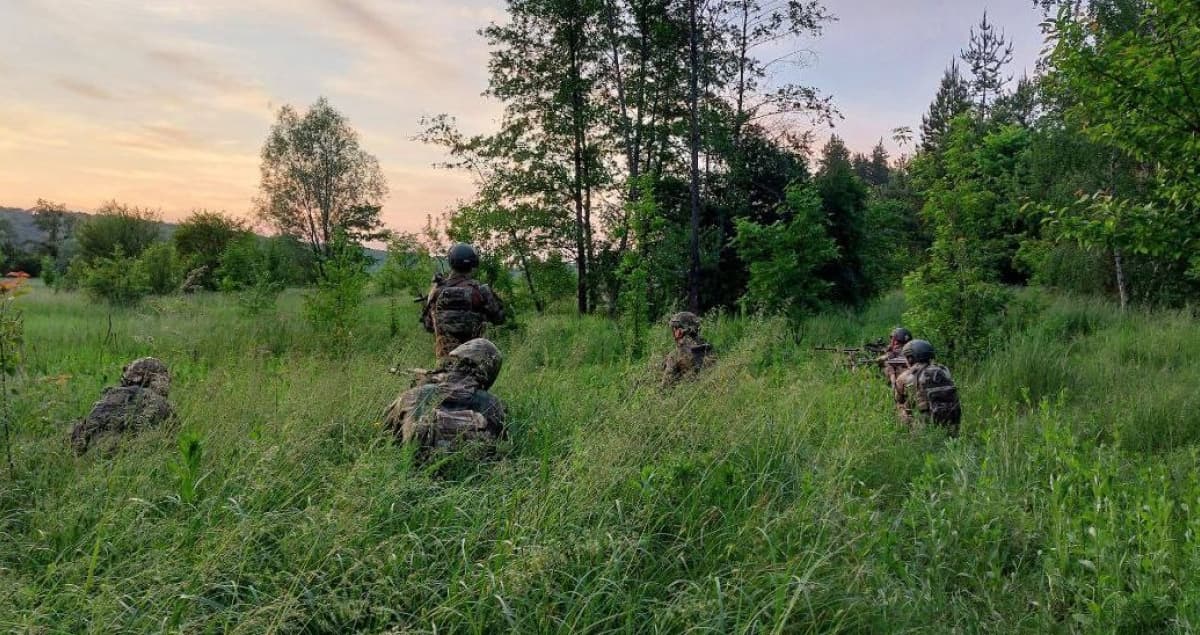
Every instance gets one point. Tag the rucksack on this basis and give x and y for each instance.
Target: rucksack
(940, 394)
(457, 311)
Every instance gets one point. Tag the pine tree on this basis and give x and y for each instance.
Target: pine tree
(986, 55)
(880, 171)
(953, 98)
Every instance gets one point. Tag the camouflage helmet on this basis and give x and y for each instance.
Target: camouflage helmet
(480, 357)
(902, 335)
(147, 372)
(685, 321)
(463, 258)
(918, 350)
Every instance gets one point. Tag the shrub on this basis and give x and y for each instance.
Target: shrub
(115, 279)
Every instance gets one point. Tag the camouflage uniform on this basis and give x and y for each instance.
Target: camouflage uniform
(458, 310)
(140, 402)
(925, 393)
(892, 360)
(692, 353)
(451, 405)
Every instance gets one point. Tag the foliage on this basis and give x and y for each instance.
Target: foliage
(116, 279)
(785, 256)
(117, 228)
(317, 181)
(332, 309)
(160, 269)
(952, 99)
(1132, 84)
(407, 269)
(844, 200)
(56, 222)
(986, 56)
(202, 238)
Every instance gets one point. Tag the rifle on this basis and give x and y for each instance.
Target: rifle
(857, 357)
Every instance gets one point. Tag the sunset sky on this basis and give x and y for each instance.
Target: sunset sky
(165, 104)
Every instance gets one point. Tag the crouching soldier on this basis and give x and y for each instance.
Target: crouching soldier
(140, 402)
(692, 353)
(892, 360)
(925, 392)
(451, 407)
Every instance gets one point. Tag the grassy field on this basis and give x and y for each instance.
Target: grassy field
(777, 494)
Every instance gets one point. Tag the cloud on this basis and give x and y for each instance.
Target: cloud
(388, 39)
(82, 88)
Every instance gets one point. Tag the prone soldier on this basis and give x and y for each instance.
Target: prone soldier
(140, 402)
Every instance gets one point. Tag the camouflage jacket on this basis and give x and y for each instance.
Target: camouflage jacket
(446, 407)
(927, 389)
(460, 307)
(119, 410)
(692, 353)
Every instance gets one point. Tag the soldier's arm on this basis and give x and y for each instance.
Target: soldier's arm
(493, 307)
(427, 310)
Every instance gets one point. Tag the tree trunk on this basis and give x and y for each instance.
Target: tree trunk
(581, 249)
(1122, 290)
(694, 143)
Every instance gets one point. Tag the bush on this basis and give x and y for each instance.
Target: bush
(116, 279)
(160, 268)
(332, 309)
(117, 228)
(784, 256)
(202, 240)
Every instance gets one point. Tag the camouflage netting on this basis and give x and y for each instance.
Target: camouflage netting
(120, 410)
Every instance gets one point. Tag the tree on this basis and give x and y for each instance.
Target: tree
(317, 181)
(1129, 75)
(117, 227)
(55, 221)
(203, 237)
(785, 255)
(844, 200)
(952, 99)
(986, 55)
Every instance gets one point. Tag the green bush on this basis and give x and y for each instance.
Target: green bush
(160, 268)
(117, 279)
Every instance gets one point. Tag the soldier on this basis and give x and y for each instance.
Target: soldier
(459, 308)
(925, 392)
(691, 353)
(892, 361)
(451, 405)
(140, 402)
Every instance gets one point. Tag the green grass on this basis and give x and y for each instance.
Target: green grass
(776, 494)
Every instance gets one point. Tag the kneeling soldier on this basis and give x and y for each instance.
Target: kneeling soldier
(451, 405)
(925, 392)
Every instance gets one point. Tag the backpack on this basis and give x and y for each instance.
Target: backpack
(445, 429)
(456, 312)
(940, 395)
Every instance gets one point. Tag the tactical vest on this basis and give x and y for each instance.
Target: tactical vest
(937, 395)
(458, 312)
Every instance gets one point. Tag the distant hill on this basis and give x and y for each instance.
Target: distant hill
(25, 234)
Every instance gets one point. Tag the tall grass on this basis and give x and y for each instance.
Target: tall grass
(774, 494)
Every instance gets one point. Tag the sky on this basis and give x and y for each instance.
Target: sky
(165, 103)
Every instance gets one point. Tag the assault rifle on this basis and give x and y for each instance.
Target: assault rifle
(858, 357)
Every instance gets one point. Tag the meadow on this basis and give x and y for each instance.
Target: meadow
(775, 494)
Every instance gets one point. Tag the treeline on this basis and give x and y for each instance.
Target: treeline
(645, 143)
(1083, 178)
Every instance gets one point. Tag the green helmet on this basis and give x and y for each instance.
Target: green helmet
(686, 321)
(463, 258)
(147, 372)
(481, 358)
(918, 351)
(902, 335)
